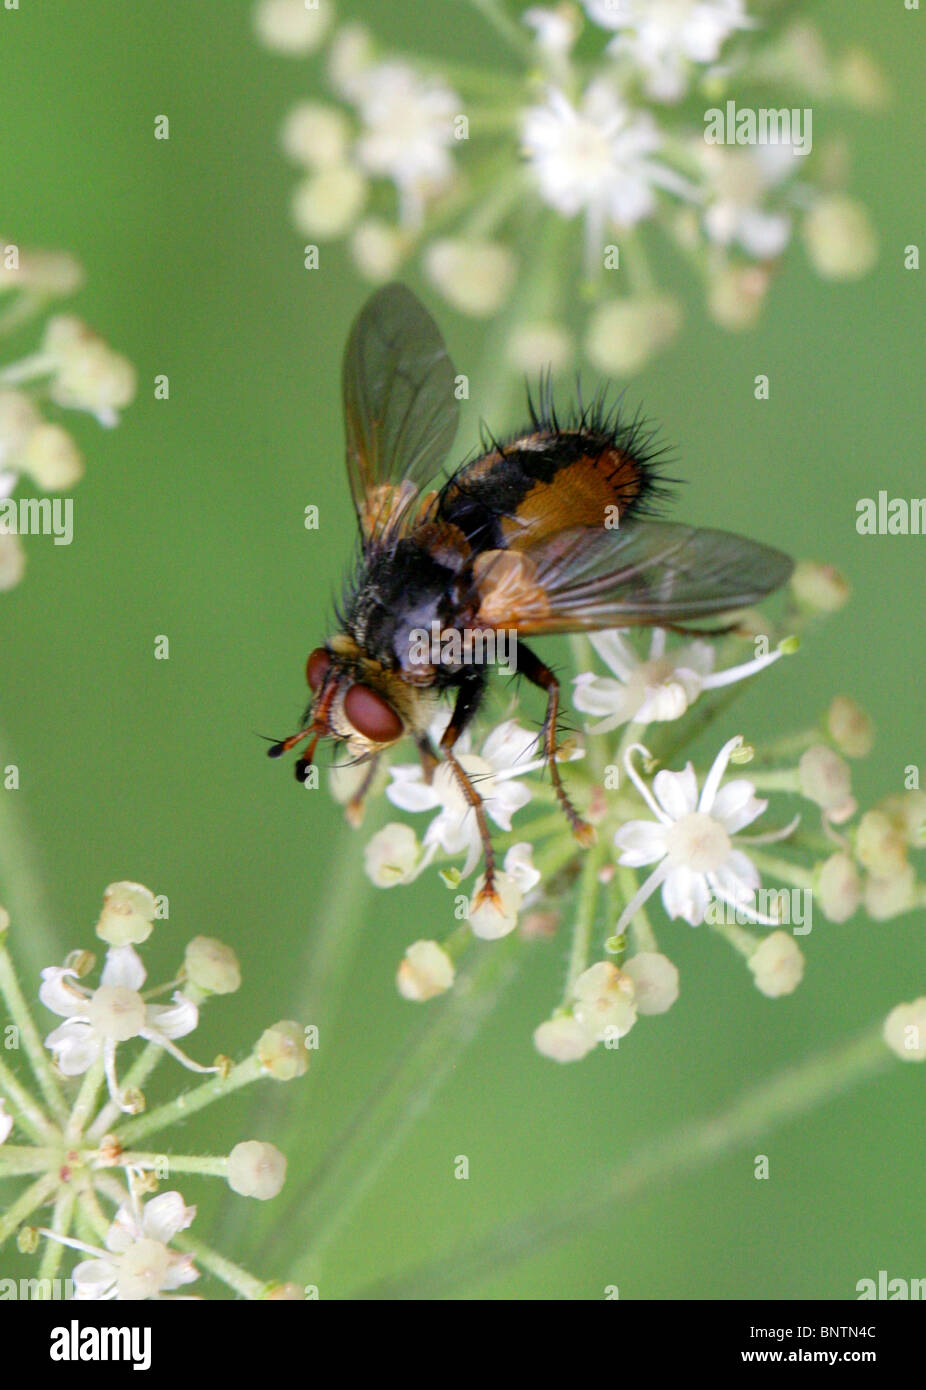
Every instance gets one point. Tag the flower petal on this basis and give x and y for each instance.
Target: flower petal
(75, 1045)
(165, 1215)
(94, 1279)
(686, 894)
(58, 993)
(123, 967)
(173, 1020)
(642, 842)
(677, 792)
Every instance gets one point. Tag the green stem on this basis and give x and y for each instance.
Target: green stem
(17, 1159)
(754, 1115)
(85, 1103)
(231, 1274)
(187, 1104)
(35, 1194)
(357, 1158)
(54, 1250)
(586, 905)
(35, 1052)
(28, 1113)
(494, 13)
(213, 1167)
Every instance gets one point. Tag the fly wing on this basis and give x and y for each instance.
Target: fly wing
(644, 574)
(400, 411)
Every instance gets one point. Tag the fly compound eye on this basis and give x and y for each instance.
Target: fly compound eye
(316, 668)
(371, 716)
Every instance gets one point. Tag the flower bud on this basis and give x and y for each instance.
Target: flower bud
(328, 202)
(736, 295)
(655, 982)
(905, 1031)
(908, 813)
(256, 1170)
(52, 458)
(819, 588)
(777, 965)
(824, 777)
(879, 845)
(624, 334)
(839, 887)
(88, 374)
(425, 972)
(12, 561)
(536, 347)
(128, 914)
(212, 966)
(474, 276)
(315, 135)
(18, 419)
(292, 26)
(889, 897)
(604, 1001)
(281, 1050)
(840, 238)
(391, 856)
(377, 248)
(850, 727)
(562, 1039)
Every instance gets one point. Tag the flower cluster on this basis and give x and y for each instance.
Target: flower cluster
(71, 368)
(613, 122)
(700, 840)
(79, 1143)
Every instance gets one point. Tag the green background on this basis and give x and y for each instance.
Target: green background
(189, 523)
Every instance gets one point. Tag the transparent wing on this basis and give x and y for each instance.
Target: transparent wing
(400, 411)
(646, 573)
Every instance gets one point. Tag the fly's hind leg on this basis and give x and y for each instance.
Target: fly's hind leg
(540, 675)
(353, 811)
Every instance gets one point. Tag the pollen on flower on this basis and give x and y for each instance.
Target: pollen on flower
(392, 855)
(605, 1001)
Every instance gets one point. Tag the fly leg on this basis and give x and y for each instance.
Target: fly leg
(353, 811)
(540, 675)
(468, 698)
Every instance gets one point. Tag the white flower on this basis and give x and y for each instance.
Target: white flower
(739, 183)
(493, 917)
(659, 687)
(393, 855)
(137, 1262)
(777, 965)
(905, 1031)
(6, 1122)
(605, 1003)
(408, 132)
(256, 1170)
(554, 30)
(98, 1019)
(87, 374)
(326, 203)
(655, 982)
(316, 135)
(292, 26)
(519, 866)
(840, 238)
(505, 757)
(425, 971)
(595, 158)
(623, 334)
(474, 276)
(660, 37)
(691, 840)
(563, 1039)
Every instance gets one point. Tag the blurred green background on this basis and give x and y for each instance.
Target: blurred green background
(189, 523)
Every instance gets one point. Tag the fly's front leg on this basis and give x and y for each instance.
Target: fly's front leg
(468, 698)
(353, 811)
(540, 675)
